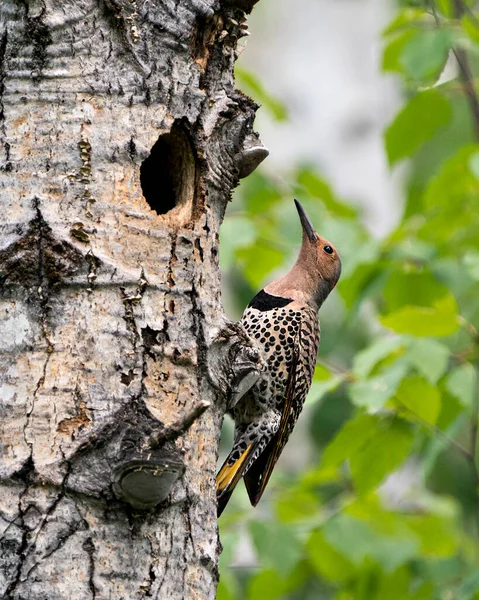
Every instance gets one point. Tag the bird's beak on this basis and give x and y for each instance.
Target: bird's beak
(306, 223)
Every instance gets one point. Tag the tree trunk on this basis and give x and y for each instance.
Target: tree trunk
(121, 139)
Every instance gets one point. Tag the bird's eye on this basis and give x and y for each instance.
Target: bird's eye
(328, 249)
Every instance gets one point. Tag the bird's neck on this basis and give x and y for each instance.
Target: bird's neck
(300, 285)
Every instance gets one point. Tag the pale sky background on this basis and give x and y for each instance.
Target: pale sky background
(322, 59)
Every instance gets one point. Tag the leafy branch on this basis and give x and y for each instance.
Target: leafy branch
(462, 60)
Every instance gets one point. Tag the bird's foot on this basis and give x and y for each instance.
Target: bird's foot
(234, 363)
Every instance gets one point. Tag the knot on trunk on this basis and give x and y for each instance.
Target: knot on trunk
(250, 156)
(135, 458)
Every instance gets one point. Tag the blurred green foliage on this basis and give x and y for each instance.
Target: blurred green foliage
(395, 394)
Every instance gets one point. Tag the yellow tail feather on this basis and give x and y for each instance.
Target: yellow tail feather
(228, 477)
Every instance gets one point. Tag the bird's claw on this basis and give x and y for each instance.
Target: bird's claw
(234, 363)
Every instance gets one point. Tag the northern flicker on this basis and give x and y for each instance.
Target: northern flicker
(282, 319)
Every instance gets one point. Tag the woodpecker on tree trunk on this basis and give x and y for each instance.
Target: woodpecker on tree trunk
(283, 321)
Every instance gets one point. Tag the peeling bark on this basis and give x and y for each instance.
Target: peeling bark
(121, 138)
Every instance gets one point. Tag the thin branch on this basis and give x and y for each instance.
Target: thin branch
(170, 434)
(468, 83)
(470, 329)
(462, 60)
(336, 370)
(439, 432)
(471, 14)
(473, 442)
(470, 91)
(475, 413)
(468, 454)
(466, 73)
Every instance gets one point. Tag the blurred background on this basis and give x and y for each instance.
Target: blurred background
(369, 109)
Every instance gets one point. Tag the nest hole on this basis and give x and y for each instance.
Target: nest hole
(167, 175)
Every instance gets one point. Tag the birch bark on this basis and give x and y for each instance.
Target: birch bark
(121, 138)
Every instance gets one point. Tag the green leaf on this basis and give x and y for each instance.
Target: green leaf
(455, 273)
(435, 445)
(266, 585)
(319, 389)
(373, 393)
(236, 232)
(438, 320)
(410, 249)
(469, 588)
(253, 86)
(417, 122)
(424, 592)
(222, 592)
(326, 561)
(260, 193)
(393, 51)
(438, 535)
(321, 373)
(383, 453)
(461, 383)
(364, 279)
(404, 18)
(470, 26)
(474, 164)
(365, 360)
(356, 541)
(317, 187)
(420, 397)
(454, 182)
(471, 262)
(354, 434)
(445, 7)
(258, 261)
(296, 505)
(451, 203)
(405, 288)
(227, 586)
(277, 545)
(429, 357)
(424, 56)
(395, 585)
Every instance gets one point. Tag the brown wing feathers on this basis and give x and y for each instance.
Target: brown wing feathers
(259, 473)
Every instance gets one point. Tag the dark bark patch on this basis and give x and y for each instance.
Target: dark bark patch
(37, 34)
(154, 339)
(167, 176)
(26, 471)
(7, 165)
(89, 547)
(132, 148)
(3, 52)
(127, 378)
(199, 249)
(150, 337)
(39, 259)
(245, 5)
(208, 27)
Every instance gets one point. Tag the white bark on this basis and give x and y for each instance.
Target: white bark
(107, 308)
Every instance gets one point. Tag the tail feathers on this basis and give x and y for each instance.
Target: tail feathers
(229, 475)
(258, 474)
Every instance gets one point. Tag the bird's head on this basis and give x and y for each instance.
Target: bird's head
(318, 257)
